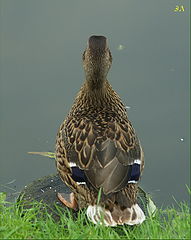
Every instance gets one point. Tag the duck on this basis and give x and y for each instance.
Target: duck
(98, 154)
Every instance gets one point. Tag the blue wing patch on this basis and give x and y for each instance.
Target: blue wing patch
(78, 175)
(135, 173)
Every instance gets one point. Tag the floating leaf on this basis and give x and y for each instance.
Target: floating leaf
(45, 154)
(120, 47)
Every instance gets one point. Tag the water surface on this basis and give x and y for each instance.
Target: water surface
(41, 43)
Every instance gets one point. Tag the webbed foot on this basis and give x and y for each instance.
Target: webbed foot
(68, 200)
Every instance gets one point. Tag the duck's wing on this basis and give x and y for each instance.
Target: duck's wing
(111, 158)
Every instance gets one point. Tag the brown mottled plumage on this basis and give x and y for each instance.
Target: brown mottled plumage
(99, 139)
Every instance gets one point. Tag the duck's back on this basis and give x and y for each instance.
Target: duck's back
(100, 140)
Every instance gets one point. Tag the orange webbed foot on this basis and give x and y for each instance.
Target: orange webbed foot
(72, 203)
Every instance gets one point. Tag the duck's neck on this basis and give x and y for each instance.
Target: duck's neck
(97, 98)
(96, 93)
(95, 81)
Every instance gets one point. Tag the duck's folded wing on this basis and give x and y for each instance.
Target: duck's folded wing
(111, 158)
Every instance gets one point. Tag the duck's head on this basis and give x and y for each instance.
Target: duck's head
(97, 57)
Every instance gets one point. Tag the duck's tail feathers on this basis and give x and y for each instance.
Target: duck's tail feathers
(130, 216)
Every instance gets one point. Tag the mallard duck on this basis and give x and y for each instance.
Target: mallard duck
(97, 149)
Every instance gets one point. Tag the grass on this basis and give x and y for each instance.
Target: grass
(18, 223)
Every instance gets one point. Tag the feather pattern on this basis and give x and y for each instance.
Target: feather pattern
(98, 138)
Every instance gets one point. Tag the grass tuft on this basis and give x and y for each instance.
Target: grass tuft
(17, 222)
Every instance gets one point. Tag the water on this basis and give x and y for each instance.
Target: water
(41, 71)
